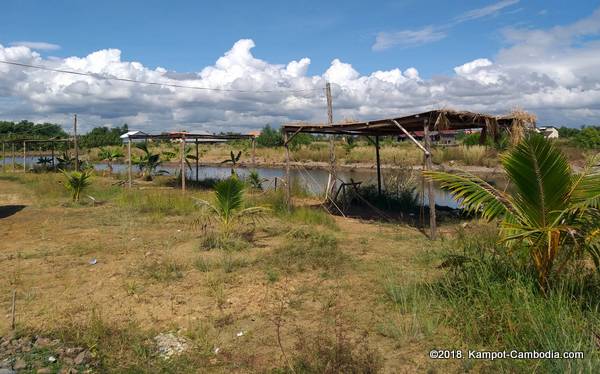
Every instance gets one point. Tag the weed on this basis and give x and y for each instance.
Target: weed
(307, 249)
(163, 270)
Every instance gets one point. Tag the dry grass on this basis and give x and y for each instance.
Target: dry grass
(305, 285)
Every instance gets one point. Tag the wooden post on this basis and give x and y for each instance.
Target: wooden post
(430, 191)
(3, 157)
(24, 157)
(53, 166)
(75, 142)
(254, 152)
(197, 160)
(182, 150)
(129, 161)
(332, 173)
(13, 309)
(378, 165)
(288, 183)
(13, 156)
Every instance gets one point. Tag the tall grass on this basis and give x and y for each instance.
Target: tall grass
(496, 305)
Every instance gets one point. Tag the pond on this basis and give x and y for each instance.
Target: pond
(314, 180)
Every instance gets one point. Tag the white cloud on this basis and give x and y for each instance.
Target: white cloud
(486, 11)
(552, 72)
(429, 34)
(41, 46)
(406, 38)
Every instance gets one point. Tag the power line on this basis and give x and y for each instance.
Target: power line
(101, 77)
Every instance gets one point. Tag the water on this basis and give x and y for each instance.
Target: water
(314, 180)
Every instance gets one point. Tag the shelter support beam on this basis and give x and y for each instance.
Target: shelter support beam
(3, 157)
(197, 160)
(411, 137)
(254, 153)
(13, 157)
(182, 151)
(288, 184)
(378, 160)
(129, 182)
(24, 157)
(430, 190)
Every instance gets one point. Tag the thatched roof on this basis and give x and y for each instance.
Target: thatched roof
(442, 119)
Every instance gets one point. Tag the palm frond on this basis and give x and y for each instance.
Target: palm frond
(473, 193)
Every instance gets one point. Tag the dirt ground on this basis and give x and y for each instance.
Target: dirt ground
(74, 265)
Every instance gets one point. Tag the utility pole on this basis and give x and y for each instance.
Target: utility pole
(75, 142)
(332, 174)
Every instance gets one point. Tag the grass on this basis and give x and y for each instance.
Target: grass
(351, 296)
(307, 249)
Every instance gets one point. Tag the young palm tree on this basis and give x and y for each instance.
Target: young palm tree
(551, 212)
(255, 180)
(76, 182)
(110, 155)
(148, 162)
(229, 204)
(233, 159)
(44, 161)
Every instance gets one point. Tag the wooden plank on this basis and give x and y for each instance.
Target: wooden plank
(412, 138)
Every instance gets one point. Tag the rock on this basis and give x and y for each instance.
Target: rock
(168, 345)
(42, 342)
(68, 371)
(44, 371)
(82, 358)
(20, 364)
(7, 371)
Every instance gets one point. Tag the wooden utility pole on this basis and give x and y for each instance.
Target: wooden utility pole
(75, 142)
(53, 165)
(430, 191)
(129, 161)
(332, 173)
(182, 150)
(3, 157)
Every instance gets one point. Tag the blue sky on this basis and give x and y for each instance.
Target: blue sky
(384, 58)
(188, 35)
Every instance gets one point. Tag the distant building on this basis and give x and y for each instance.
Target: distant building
(443, 137)
(549, 132)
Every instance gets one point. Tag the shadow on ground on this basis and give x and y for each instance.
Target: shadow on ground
(9, 210)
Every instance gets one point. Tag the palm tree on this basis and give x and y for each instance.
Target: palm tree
(229, 204)
(76, 182)
(255, 180)
(148, 162)
(550, 212)
(233, 159)
(110, 155)
(44, 161)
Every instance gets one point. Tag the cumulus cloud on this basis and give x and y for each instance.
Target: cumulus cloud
(41, 46)
(551, 72)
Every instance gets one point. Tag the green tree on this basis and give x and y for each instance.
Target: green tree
(269, 137)
(588, 137)
(148, 162)
(551, 213)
